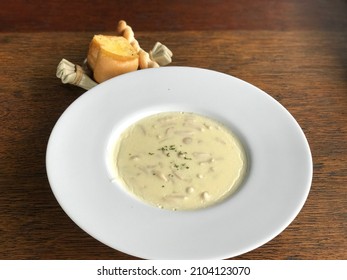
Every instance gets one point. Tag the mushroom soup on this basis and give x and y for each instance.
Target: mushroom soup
(179, 160)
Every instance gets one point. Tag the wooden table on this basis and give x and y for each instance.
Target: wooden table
(295, 51)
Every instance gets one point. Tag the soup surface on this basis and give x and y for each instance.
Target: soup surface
(179, 160)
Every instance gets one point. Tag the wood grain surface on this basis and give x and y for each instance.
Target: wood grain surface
(168, 15)
(305, 69)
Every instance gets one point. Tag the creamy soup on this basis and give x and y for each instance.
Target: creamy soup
(179, 161)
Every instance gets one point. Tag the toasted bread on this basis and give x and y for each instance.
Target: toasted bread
(110, 56)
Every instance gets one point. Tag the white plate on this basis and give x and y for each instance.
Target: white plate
(276, 187)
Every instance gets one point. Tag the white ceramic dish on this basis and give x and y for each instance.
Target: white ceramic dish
(273, 193)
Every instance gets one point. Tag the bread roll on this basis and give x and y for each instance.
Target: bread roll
(110, 56)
